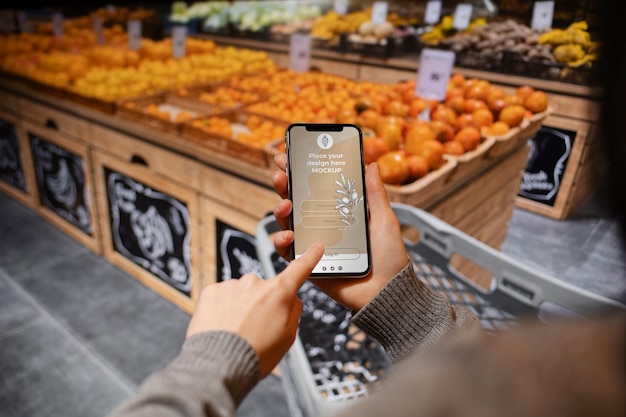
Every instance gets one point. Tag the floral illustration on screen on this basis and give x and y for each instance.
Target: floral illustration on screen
(347, 200)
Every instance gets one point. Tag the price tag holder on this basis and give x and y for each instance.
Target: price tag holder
(434, 73)
(341, 7)
(432, 14)
(379, 12)
(543, 12)
(57, 24)
(179, 40)
(462, 16)
(300, 52)
(133, 27)
(96, 22)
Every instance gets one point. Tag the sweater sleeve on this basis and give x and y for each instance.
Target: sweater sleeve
(210, 377)
(406, 315)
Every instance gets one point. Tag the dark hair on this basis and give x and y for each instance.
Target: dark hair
(611, 76)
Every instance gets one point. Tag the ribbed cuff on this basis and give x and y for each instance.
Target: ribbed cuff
(227, 351)
(405, 315)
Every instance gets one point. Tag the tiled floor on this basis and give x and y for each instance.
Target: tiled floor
(77, 335)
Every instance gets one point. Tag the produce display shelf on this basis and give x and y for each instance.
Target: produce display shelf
(332, 362)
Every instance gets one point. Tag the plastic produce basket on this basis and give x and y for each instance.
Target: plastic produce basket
(332, 362)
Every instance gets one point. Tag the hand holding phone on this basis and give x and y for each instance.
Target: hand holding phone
(327, 189)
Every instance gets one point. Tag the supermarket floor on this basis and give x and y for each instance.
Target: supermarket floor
(77, 335)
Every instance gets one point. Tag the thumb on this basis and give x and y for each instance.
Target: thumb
(377, 198)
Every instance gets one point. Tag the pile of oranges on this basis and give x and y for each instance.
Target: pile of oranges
(408, 136)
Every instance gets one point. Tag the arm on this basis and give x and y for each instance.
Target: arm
(210, 377)
(406, 315)
(239, 331)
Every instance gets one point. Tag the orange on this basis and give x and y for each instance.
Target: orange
(482, 117)
(536, 101)
(444, 132)
(457, 80)
(512, 114)
(391, 133)
(524, 90)
(465, 119)
(418, 167)
(498, 128)
(457, 103)
(417, 106)
(453, 148)
(430, 150)
(494, 93)
(373, 148)
(443, 112)
(468, 137)
(513, 99)
(398, 108)
(394, 168)
(472, 104)
(369, 118)
(417, 134)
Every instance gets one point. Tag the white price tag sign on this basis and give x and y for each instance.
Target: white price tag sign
(300, 52)
(57, 24)
(179, 40)
(96, 22)
(434, 73)
(543, 12)
(462, 16)
(432, 14)
(133, 27)
(379, 12)
(341, 7)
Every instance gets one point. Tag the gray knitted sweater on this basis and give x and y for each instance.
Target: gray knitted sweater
(572, 369)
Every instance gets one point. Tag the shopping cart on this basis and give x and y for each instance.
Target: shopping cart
(332, 362)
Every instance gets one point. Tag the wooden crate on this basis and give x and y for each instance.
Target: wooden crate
(257, 156)
(9, 102)
(136, 111)
(149, 227)
(55, 121)
(228, 249)
(155, 159)
(17, 175)
(483, 207)
(64, 184)
(230, 191)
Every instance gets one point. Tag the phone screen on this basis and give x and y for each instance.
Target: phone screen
(327, 188)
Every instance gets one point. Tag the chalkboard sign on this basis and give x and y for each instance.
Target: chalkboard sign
(11, 170)
(236, 253)
(60, 178)
(151, 229)
(549, 153)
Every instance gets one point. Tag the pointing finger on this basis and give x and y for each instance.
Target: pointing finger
(300, 269)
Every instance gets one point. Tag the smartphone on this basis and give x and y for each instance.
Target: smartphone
(326, 176)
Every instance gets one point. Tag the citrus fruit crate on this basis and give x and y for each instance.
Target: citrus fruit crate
(424, 189)
(517, 136)
(472, 162)
(219, 95)
(227, 138)
(332, 363)
(163, 111)
(105, 106)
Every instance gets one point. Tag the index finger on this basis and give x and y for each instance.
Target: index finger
(300, 269)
